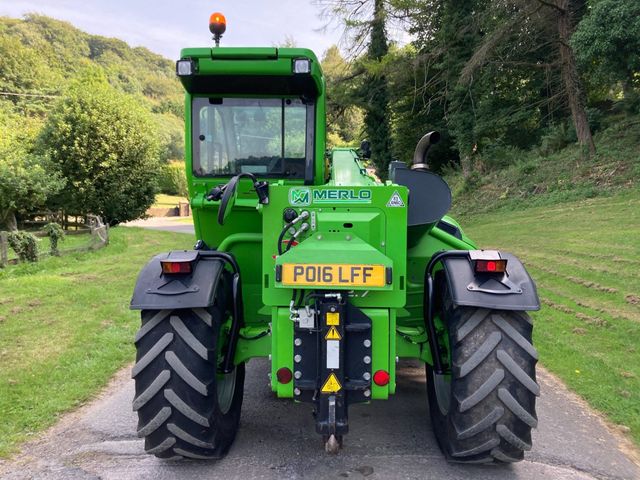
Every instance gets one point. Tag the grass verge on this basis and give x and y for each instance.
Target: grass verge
(163, 200)
(537, 179)
(65, 328)
(584, 257)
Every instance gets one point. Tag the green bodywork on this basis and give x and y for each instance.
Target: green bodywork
(352, 221)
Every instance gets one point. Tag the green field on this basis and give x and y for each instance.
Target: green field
(585, 259)
(65, 328)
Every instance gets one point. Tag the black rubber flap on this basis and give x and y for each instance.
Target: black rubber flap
(156, 291)
(515, 291)
(429, 195)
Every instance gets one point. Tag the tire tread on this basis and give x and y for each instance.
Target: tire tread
(493, 388)
(176, 392)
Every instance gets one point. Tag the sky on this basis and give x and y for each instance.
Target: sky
(165, 26)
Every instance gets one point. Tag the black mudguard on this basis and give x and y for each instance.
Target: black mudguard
(514, 290)
(157, 291)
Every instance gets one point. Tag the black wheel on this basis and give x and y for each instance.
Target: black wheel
(483, 410)
(185, 408)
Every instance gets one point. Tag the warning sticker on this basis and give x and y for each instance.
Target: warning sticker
(332, 334)
(333, 318)
(332, 385)
(395, 200)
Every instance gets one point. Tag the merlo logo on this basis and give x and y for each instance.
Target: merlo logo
(300, 196)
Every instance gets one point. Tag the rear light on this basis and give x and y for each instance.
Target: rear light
(381, 378)
(491, 266)
(171, 267)
(284, 375)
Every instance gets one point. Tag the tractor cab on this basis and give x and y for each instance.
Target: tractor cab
(254, 110)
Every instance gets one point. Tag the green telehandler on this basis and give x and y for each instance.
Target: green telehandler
(304, 258)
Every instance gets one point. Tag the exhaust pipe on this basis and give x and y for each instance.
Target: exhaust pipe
(422, 150)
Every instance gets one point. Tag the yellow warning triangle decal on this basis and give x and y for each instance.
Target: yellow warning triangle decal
(332, 334)
(332, 385)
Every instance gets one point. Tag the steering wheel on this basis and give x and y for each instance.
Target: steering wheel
(229, 194)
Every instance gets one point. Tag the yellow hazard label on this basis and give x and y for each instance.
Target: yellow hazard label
(333, 318)
(332, 385)
(332, 334)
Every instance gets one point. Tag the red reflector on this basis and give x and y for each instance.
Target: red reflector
(381, 378)
(176, 267)
(284, 375)
(491, 266)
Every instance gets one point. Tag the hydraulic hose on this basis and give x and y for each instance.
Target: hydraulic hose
(293, 238)
(300, 217)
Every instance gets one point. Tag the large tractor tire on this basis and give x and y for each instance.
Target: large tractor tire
(185, 408)
(484, 409)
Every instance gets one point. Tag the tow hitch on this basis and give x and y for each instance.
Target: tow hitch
(332, 358)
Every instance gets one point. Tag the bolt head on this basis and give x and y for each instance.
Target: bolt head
(297, 359)
(297, 374)
(367, 393)
(367, 343)
(297, 342)
(366, 376)
(367, 359)
(296, 391)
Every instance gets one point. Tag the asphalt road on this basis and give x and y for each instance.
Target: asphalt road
(391, 439)
(388, 440)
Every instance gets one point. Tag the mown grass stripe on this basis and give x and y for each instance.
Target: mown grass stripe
(589, 338)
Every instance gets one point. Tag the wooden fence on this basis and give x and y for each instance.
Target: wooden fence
(75, 225)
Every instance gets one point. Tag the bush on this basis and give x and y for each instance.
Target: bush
(172, 179)
(25, 245)
(26, 180)
(472, 182)
(501, 156)
(55, 233)
(105, 144)
(556, 138)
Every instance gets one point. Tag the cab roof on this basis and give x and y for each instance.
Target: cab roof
(252, 70)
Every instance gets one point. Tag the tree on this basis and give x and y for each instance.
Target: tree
(460, 35)
(105, 144)
(417, 106)
(376, 95)
(344, 119)
(573, 84)
(364, 22)
(527, 31)
(25, 184)
(607, 42)
(26, 180)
